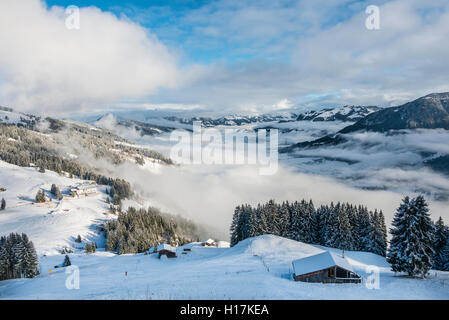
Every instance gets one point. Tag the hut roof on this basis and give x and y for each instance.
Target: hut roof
(320, 261)
(165, 246)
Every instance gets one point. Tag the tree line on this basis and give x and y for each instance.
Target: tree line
(18, 258)
(137, 230)
(417, 244)
(342, 225)
(27, 148)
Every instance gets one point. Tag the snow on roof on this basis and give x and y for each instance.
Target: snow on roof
(223, 244)
(320, 261)
(165, 246)
(84, 186)
(209, 241)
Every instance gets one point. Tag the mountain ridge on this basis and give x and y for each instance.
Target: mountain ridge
(428, 112)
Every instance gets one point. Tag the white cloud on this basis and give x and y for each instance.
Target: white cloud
(44, 65)
(326, 62)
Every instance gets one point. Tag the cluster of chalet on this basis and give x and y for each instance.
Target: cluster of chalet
(84, 189)
(169, 251)
(325, 267)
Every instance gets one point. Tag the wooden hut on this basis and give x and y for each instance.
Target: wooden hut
(326, 267)
(209, 243)
(166, 250)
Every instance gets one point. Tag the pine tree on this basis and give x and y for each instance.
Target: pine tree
(234, 231)
(412, 238)
(270, 214)
(318, 225)
(445, 256)
(296, 221)
(53, 189)
(361, 229)
(342, 235)
(18, 257)
(377, 236)
(40, 196)
(4, 263)
(3, 204)
(58, 194)
(78, 239)
(31, 268)
(66, 262)
(88, 248)
(441, 238)
(284, 219)
(331, 225)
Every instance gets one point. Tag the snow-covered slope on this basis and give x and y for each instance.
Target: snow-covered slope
(345, 113)
(256, 268)
(54, 224)
(9, 116)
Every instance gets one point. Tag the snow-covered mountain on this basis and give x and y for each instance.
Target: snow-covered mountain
(428, 112)
(234, 120)
(10, 117)
(345, 113)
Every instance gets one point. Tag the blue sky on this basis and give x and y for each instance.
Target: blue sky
(228, 56)
(179, 25)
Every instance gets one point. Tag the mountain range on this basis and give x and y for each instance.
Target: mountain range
(428, 112)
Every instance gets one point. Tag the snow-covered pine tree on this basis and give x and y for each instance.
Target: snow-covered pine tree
(295, 221)
(330, 225)
(384, 232)
(284, 219)
(445, 256)
(253, 223)
(4, 263)
(361, 228)
(234, 226)
(308, 223)
(377, 237)
(31, 268)
(441, 238)
(66, 262)
(88, 248)
(342, 236)
(58, 194)
(396, 254)
(271, 211)
(19, 259)
(40, 196)
(411, 245)
(244, 223)
(321, 217)
(53, 189)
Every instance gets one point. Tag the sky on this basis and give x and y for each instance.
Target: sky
(223, 56)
